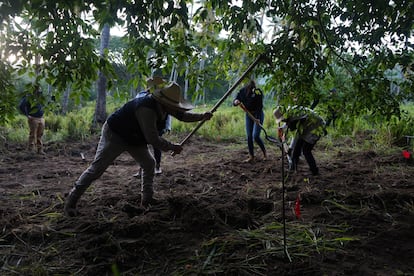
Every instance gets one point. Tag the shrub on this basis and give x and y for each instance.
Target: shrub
(54, 122)
(77, 126)
(16, 130)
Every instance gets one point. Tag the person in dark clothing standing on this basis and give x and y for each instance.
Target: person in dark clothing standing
(31, 107)
(131, 128)
(252, 98)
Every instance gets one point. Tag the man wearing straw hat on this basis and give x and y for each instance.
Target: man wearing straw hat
(309, 128)
(131, 128)
(153, 83)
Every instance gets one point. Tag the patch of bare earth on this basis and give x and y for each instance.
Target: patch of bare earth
(217, 214)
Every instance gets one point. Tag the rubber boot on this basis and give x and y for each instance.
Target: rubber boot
(71, 201)
(147, 199)
(40, 151)
(31, 148)
(292, 166)
(315, 171)
(158, 169)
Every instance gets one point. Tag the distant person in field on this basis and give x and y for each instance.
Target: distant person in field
(131, 128)
(252, 98)
(308, 127)
(31, 107)
(153, 83)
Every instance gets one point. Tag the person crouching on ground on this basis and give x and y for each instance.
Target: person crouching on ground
(131, 128)
(309, 127)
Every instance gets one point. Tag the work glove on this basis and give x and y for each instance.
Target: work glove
(207, 116)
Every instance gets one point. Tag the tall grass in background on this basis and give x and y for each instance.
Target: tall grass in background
(396, 129)
(369, 132)
(16, 130)
(227, 124)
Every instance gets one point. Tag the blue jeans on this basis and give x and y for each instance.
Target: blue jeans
(253, 132)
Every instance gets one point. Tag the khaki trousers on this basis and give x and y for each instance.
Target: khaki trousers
(110, 146)
(36, 129)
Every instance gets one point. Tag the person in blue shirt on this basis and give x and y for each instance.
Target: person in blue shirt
(31, 107)
(152, 84)
(252, 98)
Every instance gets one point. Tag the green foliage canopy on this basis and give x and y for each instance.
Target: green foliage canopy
(304, 40)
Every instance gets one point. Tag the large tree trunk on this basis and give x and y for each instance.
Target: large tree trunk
(174, 73)
(100, 110)
(202, 95)
(65, 100)
(186, 84)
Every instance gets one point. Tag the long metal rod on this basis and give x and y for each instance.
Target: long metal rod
(282, 137)
(283, 204)
(229, 91)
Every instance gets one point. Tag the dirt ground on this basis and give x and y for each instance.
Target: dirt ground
(217, 215)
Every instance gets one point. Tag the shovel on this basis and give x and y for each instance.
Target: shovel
(269, 138)
(279, 142)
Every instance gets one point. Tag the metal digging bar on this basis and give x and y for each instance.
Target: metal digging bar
(282, 137)
(229, 91)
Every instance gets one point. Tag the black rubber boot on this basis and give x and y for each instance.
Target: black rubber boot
(148, 200)
(315, 171)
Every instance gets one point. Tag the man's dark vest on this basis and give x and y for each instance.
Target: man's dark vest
(124, 123)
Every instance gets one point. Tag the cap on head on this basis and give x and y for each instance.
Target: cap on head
(155, 82)
(170, 96)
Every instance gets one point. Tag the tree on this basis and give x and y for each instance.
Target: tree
(100, 110)
(303, 40)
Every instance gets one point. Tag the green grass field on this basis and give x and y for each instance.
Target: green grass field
(227, 124)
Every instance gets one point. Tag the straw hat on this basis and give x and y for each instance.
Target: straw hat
(171, 97)
(155, 82)
(278, 115)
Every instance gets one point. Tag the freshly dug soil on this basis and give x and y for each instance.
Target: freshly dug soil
(217, 215)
